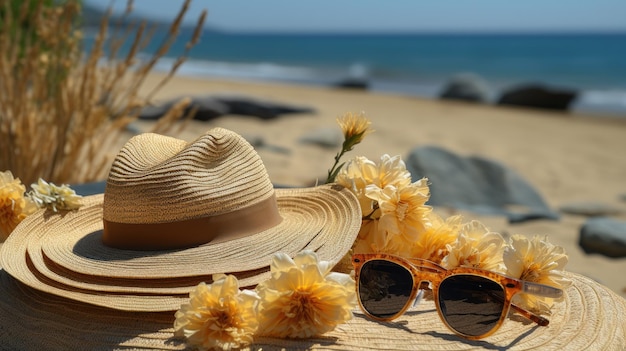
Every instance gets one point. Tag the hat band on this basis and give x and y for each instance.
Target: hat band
(192, 232)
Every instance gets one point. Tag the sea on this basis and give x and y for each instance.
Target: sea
(418, 64)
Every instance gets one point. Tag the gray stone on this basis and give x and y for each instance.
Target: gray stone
(538, 96)
(264, 109)
(476, 184)
(213, 106)
(324, 137)
(466, 87)
(604, 236)
(591, 209)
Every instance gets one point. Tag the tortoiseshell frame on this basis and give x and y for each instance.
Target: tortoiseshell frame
(427, 271)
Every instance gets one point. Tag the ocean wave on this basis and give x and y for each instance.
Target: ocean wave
(263, 70)
(605, 102)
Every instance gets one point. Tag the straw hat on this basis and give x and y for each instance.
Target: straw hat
(590, 318)
(172, 215)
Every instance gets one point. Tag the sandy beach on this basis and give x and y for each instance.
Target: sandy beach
(567, 158)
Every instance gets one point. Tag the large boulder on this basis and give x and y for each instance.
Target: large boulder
(476, 184)
(466, 87)
(538, 96)
(605, 236)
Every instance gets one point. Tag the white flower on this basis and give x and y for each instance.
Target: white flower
(54, 197)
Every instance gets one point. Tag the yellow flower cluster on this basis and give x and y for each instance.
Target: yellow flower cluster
(393, 208)
(397, 220)
(302, 298)
(14, 207)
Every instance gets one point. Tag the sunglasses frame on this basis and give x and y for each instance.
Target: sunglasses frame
(427, 271)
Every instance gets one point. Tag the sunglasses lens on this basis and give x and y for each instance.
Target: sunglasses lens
(384, 288)
(472, 305)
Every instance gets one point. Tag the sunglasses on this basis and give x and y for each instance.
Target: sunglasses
(471, 302)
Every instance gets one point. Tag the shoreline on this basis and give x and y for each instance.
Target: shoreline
(593, 100)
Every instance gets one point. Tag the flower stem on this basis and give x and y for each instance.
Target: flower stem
(332, 173)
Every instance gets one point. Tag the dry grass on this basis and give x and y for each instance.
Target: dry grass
(61, 109)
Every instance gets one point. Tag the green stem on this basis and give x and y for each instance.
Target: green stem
(332, 172)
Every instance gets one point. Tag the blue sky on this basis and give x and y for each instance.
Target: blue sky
(394, 15)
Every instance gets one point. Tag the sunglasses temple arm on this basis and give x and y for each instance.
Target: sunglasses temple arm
(540, 290)
(533, 317)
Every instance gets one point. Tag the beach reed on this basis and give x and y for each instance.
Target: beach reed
(61, 109)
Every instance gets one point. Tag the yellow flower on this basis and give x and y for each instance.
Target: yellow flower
(476, 247)
(370, 239)
(54, 197)
(403, 210)
(303, 298)
(354, 128)
(356, 175)
(14, 207)
(536, 260)
(361, 172)
(433, 244)
(218, 316)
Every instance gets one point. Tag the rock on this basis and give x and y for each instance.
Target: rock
(353, 83)
(538, 96)
(206, 108)
(591, 209)
(264, 109)
(476, 184)
(466, 87)
(604, 236)
(324, 137)
(213, 106)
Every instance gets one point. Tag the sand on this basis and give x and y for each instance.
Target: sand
(566, 158)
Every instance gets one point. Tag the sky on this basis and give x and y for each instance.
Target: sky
(392, 15)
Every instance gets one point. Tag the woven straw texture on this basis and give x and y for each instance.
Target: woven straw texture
(63, 255)
(172, 178)
(590, 318)
(219, 173)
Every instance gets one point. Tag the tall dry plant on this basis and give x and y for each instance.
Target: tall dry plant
(61, 110)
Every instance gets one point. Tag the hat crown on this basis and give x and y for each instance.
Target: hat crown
(160, 179)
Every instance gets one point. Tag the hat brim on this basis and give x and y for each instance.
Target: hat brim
(62, 254)
(590, 317)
